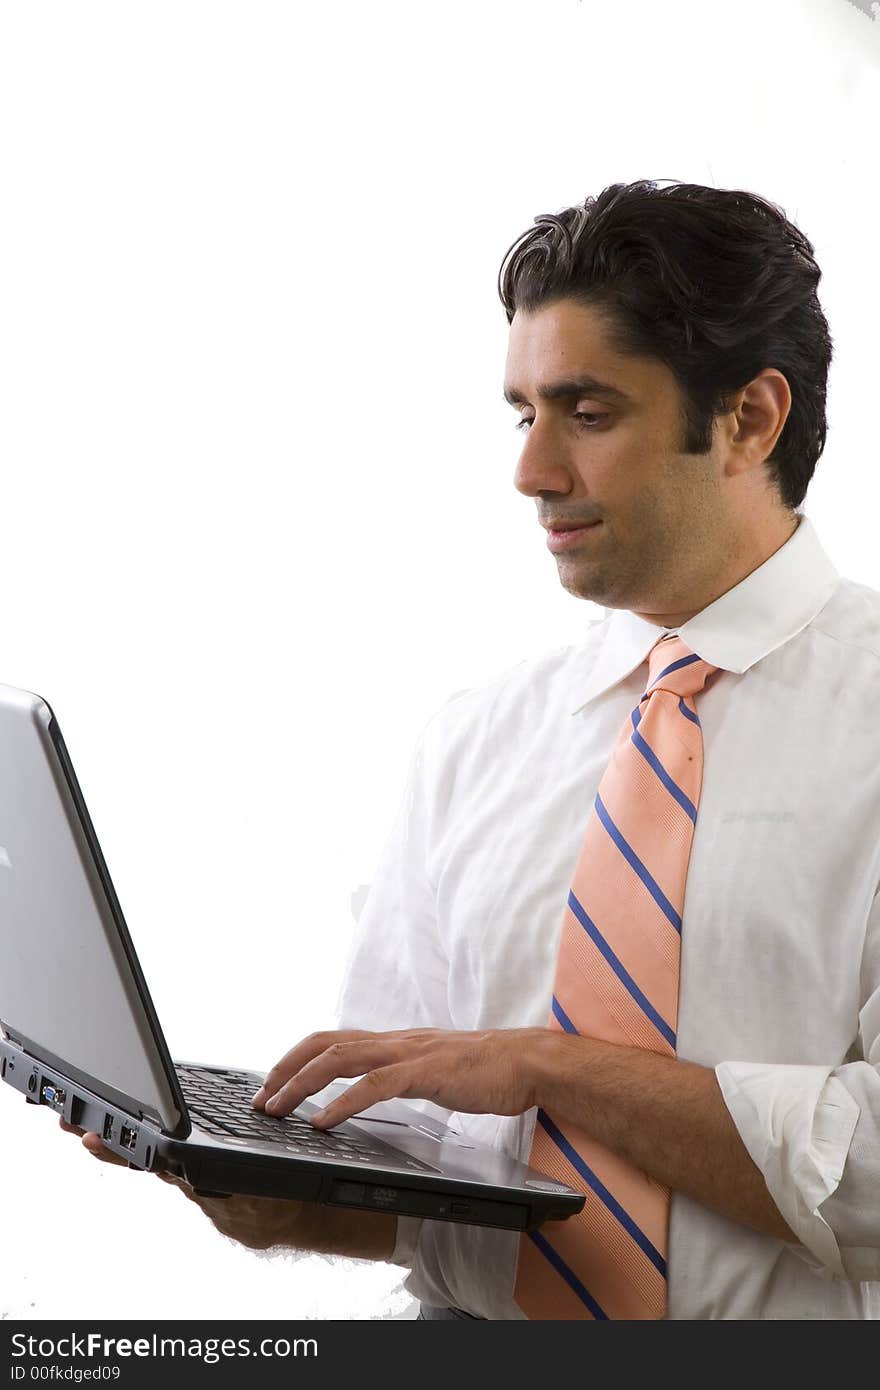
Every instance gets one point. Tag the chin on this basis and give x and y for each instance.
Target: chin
(590, 592)
(588, 582)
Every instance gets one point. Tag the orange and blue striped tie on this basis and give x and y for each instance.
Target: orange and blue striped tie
(617, 980)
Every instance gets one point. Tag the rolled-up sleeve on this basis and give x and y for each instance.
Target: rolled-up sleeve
(814, 1132)
(396, 975)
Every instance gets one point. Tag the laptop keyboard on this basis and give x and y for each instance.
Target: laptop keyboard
(220, 1103)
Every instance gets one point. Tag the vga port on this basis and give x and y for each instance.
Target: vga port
(53, 1095)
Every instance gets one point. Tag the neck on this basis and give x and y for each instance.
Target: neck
(740, 565)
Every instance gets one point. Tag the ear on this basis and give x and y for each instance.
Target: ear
(759, 412)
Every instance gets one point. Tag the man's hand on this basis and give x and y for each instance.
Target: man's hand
(257, 1222)
(490, 1073)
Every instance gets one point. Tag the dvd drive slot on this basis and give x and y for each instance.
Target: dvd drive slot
(409, 1201)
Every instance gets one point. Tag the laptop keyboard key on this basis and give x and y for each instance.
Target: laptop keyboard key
(220, 1104)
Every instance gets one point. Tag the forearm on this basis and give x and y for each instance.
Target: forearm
(356, 1234)
(663, 1115)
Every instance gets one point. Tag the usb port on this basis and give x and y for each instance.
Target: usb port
(128, 1137)
(108, 1127)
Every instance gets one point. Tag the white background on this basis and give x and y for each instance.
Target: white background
(257, 520)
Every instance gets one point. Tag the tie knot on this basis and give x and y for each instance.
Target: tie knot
(674, 667)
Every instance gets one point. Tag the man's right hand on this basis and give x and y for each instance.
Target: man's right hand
(260, 1223)
(265, 1223)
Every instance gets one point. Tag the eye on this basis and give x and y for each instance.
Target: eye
(584, 416)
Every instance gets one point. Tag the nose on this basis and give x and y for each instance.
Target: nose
(543, 464)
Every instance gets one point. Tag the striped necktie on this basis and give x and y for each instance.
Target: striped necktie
(617, 980)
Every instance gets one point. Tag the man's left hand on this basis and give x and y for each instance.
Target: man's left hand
(492, 1072)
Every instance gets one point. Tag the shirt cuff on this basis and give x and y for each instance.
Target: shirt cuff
(797, 1124)
(408, 1230)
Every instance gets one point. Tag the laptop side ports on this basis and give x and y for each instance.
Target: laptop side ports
(53, 1095)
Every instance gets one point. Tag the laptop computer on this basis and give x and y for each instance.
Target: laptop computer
(79, 1034)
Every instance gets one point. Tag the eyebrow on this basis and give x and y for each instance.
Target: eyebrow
(560, 390)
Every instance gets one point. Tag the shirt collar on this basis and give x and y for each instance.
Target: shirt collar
(759, 614)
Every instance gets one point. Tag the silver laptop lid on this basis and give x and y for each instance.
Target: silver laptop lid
(71, 989)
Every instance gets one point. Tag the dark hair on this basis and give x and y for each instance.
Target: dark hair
(717, 284)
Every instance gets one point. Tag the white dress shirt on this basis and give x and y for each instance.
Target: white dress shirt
(780, 969)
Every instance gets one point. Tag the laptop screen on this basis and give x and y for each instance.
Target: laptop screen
(70, 985)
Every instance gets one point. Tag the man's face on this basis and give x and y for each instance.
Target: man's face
(660, 510)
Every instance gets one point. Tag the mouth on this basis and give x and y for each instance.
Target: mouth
(564, 537)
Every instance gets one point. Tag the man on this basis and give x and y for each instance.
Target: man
(702, 1065)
